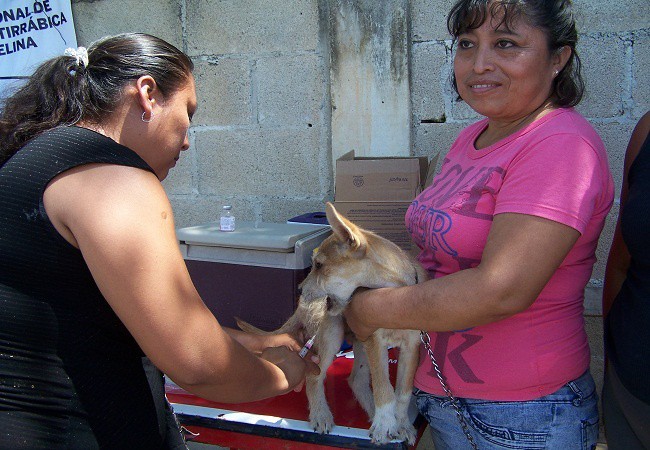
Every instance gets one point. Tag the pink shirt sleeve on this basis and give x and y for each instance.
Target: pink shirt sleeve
(542, 181)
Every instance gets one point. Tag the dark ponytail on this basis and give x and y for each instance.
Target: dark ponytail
(64, 90)
(52, 96)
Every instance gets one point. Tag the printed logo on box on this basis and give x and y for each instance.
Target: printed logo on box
(357, 181)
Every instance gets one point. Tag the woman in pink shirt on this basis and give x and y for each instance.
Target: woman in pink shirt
(508, 232)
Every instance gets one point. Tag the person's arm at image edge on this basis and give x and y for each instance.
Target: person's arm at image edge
(132, 252)
(618, 260)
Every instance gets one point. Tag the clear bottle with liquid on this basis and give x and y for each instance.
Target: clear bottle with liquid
(227, 220)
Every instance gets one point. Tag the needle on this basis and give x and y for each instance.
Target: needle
(307, 346)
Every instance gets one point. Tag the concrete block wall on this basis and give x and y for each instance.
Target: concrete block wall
(260, 137)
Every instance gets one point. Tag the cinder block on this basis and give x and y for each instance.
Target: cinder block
(280, 210)
(461, 111)
(594, 327)
(180, 179)
(435, 139)
(96, 19)
(259, 161)
(429, 19)
(430, 81)
(193, 209)
(641, 73)
(291, 90)
(603, 69)
(223, 89)
(593, 298)
(250, 26)
(615, 136)
(197, 209)
(604, 16)
(605, 243)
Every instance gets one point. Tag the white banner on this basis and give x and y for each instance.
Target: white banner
(32, 31)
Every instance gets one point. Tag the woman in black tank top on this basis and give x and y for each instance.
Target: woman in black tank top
(91, 276)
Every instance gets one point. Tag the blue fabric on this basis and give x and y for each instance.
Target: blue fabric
(565, 419)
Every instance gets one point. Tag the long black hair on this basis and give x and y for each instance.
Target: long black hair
(65, 90)
(554, 17)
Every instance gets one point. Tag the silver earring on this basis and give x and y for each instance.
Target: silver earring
(555, 73)
(150, 117)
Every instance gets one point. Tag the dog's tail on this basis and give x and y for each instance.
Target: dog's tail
(247, 327)
(292, 326)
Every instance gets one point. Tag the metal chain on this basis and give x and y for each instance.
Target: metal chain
(426, 340)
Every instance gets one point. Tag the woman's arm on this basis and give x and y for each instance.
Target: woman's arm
(257, 343)
(618, 260)
(521, 254)
(121, 220)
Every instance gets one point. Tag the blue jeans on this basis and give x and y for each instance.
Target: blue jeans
(564, 420)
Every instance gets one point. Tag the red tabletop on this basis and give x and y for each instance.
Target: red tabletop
(285, 419)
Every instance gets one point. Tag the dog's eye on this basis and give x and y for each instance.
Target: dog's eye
(317, 265)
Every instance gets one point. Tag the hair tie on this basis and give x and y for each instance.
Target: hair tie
(80, 54)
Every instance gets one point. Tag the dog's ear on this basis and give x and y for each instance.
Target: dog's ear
(345, 230)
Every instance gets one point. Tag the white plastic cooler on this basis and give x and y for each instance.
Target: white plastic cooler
(252, 272)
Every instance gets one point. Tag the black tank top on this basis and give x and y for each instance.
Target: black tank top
(628, 323)
(70, 373)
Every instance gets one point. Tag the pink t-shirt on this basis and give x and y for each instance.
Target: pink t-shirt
(554, 168)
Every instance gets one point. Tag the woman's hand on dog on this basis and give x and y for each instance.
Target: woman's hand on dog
(356, 314)
(256, 343)
(294, 367)
(280, 340)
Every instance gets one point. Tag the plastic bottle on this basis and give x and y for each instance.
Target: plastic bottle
(227, 220)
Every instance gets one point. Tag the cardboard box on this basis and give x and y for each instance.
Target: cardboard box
(375, 192)
(387, 179)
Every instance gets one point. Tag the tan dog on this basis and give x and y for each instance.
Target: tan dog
(349, 259)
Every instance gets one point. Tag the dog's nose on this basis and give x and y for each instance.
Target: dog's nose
(299, 289)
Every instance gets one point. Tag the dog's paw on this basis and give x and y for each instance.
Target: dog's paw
(321, 421)
(406, 432)
(382, 431)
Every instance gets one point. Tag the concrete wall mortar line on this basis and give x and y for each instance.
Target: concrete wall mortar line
(247, 56)
(325, 106)
(194, 163)
(627, 100)
(184, 24)
(254, 110)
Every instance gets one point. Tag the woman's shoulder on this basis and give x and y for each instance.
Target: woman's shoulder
(570, 121)
(568, 125)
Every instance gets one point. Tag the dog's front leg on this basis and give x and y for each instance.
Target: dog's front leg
(384, 425)
(328, 340)
(407, 365)
(359, 379)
